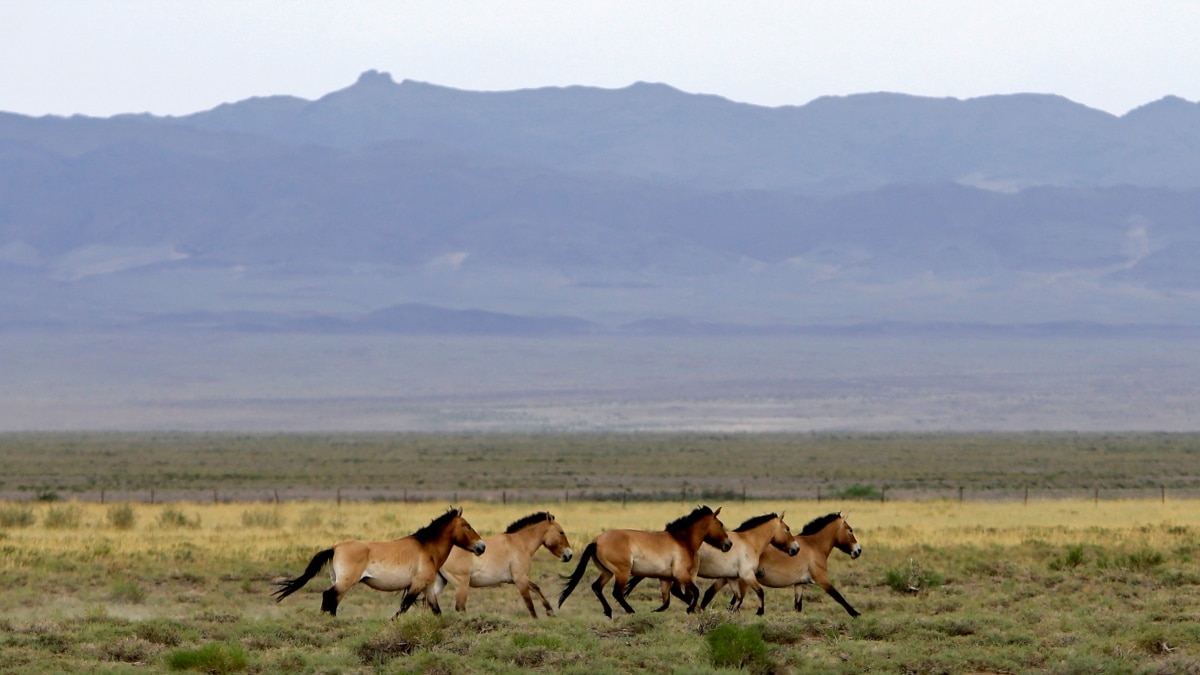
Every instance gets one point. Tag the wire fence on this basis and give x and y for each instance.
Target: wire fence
(561, 496)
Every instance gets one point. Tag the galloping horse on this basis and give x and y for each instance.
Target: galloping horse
(811, 566)
(750, 540)
(507, 560)
(670, 554)
(409, 564)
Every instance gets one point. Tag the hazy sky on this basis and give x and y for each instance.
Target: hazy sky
(101, 57)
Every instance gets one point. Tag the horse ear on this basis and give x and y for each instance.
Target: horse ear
(781, 515)
(550, 517)
(717, 512)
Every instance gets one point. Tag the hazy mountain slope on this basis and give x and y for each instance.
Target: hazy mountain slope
(833, 144)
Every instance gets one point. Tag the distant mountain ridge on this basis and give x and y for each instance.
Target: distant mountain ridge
(415, 208)
(833, 144)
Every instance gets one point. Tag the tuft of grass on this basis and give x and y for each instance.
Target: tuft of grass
(912, 579)
(16, 515)
(861, 492)
(121, 516)
(1074, 557)
(733, 646)
(67, 516)
(215, 657)
(173, 518)
(127, 591)
(264, 518)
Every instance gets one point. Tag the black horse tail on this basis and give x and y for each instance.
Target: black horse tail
(580, 569)
(290, 586)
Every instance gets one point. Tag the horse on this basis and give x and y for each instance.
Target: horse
(811, 566)
(507, 560)
(750, 540)
(408, 564)
(669, 554)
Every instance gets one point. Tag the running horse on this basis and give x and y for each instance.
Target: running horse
(669, 554)
(810, 566)
(506, 561)
(408, 564)
(751, 540)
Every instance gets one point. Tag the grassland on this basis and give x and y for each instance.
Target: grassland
(530, 467)
(997, 585)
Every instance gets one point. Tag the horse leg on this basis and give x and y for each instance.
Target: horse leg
(598, 589)
(523, 589)
(712, 592)
(619, 593)
(330, 599)
(692, 593)
(666, 589)
(799, 602)
(460, 596)
(545, 603)
(833, 593)
(762, 596)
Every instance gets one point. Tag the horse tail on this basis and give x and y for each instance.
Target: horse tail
(580, 569)
(290, 586)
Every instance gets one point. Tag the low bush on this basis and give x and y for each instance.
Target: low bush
(216, 657)
(733, 646)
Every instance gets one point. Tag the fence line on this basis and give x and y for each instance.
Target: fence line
(402, 495)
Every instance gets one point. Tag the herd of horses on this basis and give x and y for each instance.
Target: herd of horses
(760, 552)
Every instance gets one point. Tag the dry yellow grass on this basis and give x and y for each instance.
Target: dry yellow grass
(259, 531)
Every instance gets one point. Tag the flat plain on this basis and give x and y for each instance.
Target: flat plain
(1081, 584)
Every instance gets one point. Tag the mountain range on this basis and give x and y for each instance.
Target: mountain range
(409, 207)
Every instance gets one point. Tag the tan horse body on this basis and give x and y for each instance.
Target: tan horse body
(669, 554)
(409, 564)
(751, 540)
(810, 566)
(506, 561)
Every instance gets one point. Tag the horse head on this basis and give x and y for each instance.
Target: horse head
(465, 537)
(555, 540)
(845, 540)
(782, 538)
(715, 534)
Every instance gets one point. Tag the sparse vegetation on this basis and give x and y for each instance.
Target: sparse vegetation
(944, 586)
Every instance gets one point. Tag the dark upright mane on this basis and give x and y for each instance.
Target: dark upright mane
(531, 519)
(817, 524)
(756, 521)
(682, 524)
(433, 530)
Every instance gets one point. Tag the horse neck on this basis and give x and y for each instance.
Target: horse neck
(440, 548)
(693, 537)
(759, 537)
(823, 540)
(528, 539)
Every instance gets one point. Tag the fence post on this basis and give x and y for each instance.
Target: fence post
(883, 494)
(1097, 496)
(276, 497)
(960, 491)
(566, 496)
(214, 495)
(151, 495)
(339, 496)
(818, 494)
(1026, 495)
(504, 497)
(101, 496)
(1164, 493)
(405, 495)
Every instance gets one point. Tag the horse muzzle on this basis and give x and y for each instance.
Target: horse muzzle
(855, 552)
(478, 548)
(567, 555)
(726, 546)
(794, 548)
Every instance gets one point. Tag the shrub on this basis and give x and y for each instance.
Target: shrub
(215, 657)
(861, 492)
(16, 515)
(1074, 558)
(121, 516)
(913, 579)
(734, 646)
(262, 518)
(63, 517)
(171, 517)
(126, 591)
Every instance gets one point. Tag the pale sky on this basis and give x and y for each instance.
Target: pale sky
(102, 57)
